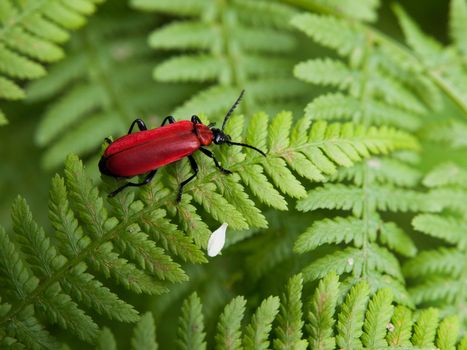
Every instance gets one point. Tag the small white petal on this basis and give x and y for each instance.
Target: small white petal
(217, 240)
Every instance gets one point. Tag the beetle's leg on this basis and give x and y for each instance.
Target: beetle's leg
(146, 180)
(218, 166)
(194, 166)
(169, 119)
(109, 141)
(140, 123)
(195, 119)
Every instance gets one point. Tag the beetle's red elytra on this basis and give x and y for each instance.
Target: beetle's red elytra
(145, 151)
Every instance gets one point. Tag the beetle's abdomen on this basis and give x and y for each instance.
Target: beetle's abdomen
(141, 152)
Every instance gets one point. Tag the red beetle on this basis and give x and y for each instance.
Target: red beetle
(147, 150)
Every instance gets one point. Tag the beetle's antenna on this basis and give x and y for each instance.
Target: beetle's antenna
(227, 116)
(245, 145)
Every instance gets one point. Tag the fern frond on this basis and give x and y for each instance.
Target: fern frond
(448, 332)
(337, 106)
(439, 274)
(144, 335)
(447, 228)
(450, 132)
(400, 328)
(257, 332)
(106, 340)
(51, 280)
(30, 35)
(446, 174)
(103, 87)
(433, 55)
(425, 328)
(361, 321)
(191, 329)
(289, 321)
(350, 321)
(229, 333)
(226, 48)
(382, 85)
(377, 317)
(321, 320)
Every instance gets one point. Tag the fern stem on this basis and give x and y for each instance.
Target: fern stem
(364, 94)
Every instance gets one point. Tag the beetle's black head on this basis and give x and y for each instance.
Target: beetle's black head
(219, 137)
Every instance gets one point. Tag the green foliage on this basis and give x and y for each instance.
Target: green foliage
(311, 152)
(133, 241)
(346, 177)
(372, 321)
(322, 309)
(190, 331)
(100, 89)
(55, 281)
(379, 88)
(439, 275)
(222, 45)
(30, 37)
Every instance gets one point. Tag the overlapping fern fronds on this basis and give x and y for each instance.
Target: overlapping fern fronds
(100, 89)
(31, 33)
(440, 275)
(225, 46)
(378, 89)
(294, 152)
(135, 242)
(61, 278)
(360, 321)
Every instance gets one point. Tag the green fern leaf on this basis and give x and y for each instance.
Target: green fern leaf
(191, 68)
(97, 88)
(289, 321)
(329, 31)
(36, 247)
(442, 260)
(191, 325)
(184, 35)
(332, 231)
(350, 321)
(29, 38)
(377, 317)
(144, 334)
(257, 332)
(399, 330)
(449, 229)
(228, 336)
(323, 305)
(325, 72)
(447, 334)
(425, 328)
(228, 68)
(106, 340)
(446, 174)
